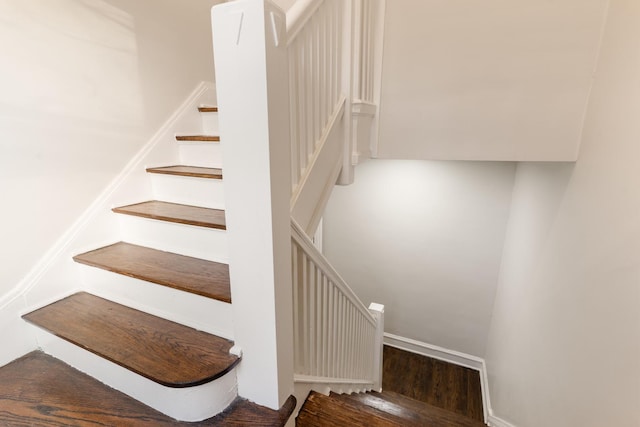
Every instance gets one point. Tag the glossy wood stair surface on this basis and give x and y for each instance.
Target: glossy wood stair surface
(198, 138)
(178, 213)
(39, 390)
(166, 352)
(435, 382)
(192, 171)
(207, 109)
(376, 410)
(206, 278)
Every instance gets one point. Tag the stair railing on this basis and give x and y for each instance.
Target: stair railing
(319, 51)
(331, 48)
(337, 340)
(335, 50)
(284, 85)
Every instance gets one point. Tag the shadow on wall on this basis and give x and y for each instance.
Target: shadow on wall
(69, 60)
(425, 239)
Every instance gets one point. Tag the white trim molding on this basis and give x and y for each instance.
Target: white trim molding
(434, 351)
(494, 421)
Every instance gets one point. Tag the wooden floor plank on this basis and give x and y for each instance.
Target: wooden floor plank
(376, 409)
(441, 384)
(166, 352)
(173, 212)
(39, 390)
(206, 278)
(192, 171)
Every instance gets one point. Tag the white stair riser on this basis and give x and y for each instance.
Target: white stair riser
(207, 193)
(204, 314)
(205, 154)
(210, 123)
(198, 242)
(184, 404)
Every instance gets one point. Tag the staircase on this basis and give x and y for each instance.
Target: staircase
(145, 306)
(171, 260)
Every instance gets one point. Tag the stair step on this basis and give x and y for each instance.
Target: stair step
(198, 138)
(375, 409)
(38, 389)
(193, 171)
(206, 109)
(166, 352)
(206, 278)
(202, 154)
(173, 212)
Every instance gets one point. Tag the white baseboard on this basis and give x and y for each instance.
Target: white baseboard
(494, 421)
(450, 356)
(434, 351)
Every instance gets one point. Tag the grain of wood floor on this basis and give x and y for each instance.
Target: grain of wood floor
(441, 384)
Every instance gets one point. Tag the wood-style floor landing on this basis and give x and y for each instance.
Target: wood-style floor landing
(39, 390)
(441, 384)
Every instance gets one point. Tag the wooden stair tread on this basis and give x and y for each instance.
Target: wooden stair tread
(198, 138)
(206, 278)
(39, 390)
(374, 409)
(193, 171)
(166, 352)
(208, 109)
(418, 409)
(242, 413)
(173, 212)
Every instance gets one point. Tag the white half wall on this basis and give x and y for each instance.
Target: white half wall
(564, 344)
(487, 80)
(84, 85)
(425, 239)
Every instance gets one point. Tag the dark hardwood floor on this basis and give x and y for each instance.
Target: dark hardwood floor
(386, 409)
(417, 391)
(441, 384)
(38, 390)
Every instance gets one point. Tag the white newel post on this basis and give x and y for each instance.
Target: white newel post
(377, 310)
(250, 50)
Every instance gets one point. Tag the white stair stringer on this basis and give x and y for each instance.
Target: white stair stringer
(185, 404)
(198, 312)
(203, 154)
(199, 242)
(188, 190)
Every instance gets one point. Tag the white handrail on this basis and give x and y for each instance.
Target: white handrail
(298, 15)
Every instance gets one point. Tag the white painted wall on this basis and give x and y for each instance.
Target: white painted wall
(487, 80)
(84, 85)
(284, 4)
(424, 239)
(564, 345)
